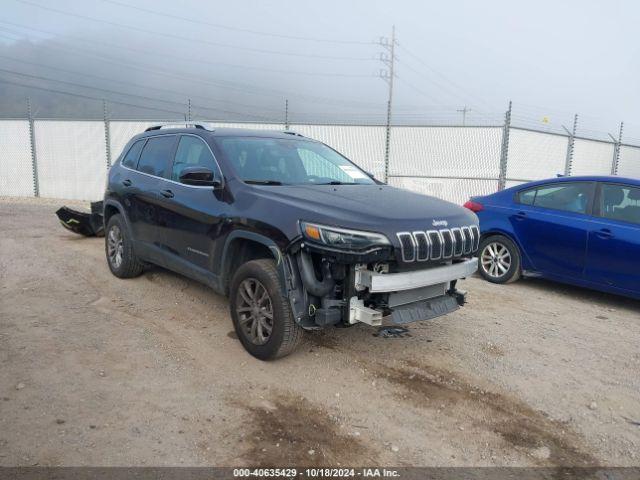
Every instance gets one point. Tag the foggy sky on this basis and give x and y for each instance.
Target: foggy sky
(551, 58)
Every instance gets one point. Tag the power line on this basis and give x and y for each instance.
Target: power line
(235, 29)
(187, 39)
(113, 92)
(52, 90)
(447, 90)
(146, 87)
(441, 75)
(248, 89)
(198, 61)
(417, 90)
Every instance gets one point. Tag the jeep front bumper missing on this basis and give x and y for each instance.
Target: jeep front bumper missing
(394, 282)
(409, 296)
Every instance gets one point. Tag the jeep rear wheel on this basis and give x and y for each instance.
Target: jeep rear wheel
(499, 259)
(121, 259)
(261, 315)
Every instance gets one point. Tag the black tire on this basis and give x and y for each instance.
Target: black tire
(499, 259)
(285, 333)
(129, 265)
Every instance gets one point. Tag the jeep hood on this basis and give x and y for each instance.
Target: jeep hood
(379, 208)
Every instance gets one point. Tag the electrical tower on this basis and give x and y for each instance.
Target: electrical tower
(389, 59)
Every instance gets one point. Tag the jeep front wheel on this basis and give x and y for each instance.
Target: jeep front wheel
(261, 315)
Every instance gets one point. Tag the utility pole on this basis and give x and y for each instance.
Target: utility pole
(464, 114)
(286, 114)
(189, 110)
(389, 59)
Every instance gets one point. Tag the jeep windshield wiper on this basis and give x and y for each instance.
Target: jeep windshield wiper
(336, 182)
(263, 182)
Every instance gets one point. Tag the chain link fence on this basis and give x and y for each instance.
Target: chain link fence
(16, 169)
(70, 158)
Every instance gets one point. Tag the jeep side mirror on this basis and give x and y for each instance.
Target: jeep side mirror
(199, 176)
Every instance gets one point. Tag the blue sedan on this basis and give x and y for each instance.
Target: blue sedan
(579, 230)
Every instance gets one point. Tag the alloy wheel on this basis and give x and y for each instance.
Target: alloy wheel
(495, 260)
(255, 311)
(115, 246)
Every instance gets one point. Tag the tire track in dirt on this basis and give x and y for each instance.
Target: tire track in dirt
(546, 441)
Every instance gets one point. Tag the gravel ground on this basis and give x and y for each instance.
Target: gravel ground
(100, 371)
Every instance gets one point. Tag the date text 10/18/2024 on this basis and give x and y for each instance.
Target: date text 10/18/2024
(316, 472)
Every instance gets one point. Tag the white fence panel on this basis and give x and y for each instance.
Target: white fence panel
(513, 183)
(16, 172)
(629, 165)
(445, 151)
(591, 157)
(72, 159)
(361, 144)
(453, 163)
(120, 133)
(250, 126)
(454, 190)
(535, 155)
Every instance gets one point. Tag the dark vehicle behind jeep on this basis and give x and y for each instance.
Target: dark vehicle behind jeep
(294, 233)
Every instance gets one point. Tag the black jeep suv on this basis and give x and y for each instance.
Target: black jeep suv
(297, 235)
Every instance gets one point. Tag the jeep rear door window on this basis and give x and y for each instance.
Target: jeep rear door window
(156, 155)
(620, 202)
(192, 152)
(289, 161)
(130, 160)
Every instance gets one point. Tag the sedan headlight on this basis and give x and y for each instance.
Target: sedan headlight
(341, 237)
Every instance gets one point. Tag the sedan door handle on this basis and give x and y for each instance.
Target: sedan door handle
(126, 183)
(520, 216)
(605, 234)
(167, 193)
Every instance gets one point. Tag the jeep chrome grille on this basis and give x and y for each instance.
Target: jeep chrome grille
(438, 244)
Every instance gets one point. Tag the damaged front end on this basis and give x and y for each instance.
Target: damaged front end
(342, 277)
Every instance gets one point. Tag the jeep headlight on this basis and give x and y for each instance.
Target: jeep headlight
(341, 237)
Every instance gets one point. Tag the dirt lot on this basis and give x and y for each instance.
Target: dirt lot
(100, 371)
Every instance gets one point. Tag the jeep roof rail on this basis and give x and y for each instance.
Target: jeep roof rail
(290, 132)
(178, 125)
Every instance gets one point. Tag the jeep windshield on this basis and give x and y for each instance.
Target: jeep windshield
(283, 161)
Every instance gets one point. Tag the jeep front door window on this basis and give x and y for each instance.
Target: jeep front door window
(192, 152)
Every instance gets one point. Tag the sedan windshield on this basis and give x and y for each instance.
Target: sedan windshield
(283, 161)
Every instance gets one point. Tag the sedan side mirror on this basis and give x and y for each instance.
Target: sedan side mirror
(199, 176)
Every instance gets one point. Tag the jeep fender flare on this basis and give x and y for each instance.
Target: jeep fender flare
(258, 238)
(290, 281)
(121, 210)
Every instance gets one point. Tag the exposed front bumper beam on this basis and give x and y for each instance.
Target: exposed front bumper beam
(377, 282)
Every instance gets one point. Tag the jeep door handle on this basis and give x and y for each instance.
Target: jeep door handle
(167, 193)
(604, 234)
(126, 183)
